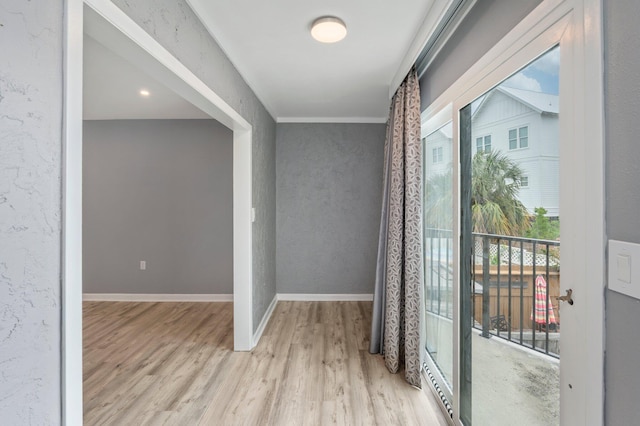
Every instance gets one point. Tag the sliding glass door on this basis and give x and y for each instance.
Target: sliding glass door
(510, 256)
(439, 265)
(512, 157)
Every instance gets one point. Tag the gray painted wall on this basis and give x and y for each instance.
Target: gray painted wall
(159, 191)
(329, 192)
(487, 23)
(30, 150)
(174, 25)
(622, 109)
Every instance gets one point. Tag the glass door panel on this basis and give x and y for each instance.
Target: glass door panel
(438, 246)
(510, 256)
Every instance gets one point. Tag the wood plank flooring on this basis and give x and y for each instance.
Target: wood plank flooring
(173, 364)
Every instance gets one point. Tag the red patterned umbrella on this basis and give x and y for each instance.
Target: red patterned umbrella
(540, 307)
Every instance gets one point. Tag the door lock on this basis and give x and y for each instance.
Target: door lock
(566, 298)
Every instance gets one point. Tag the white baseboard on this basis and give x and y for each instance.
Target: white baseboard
(131, 297)
(265, 320)
(302, 297)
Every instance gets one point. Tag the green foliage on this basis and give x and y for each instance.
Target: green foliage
(542, 227)
(438, 201)
(495, 207)
(495, 184)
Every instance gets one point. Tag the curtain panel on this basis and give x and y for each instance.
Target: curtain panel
(396, 325)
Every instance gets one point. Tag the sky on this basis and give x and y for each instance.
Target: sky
(542, 75)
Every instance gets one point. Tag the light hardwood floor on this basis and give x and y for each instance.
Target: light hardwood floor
(173, 364)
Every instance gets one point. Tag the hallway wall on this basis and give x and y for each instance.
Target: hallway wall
(159, 191)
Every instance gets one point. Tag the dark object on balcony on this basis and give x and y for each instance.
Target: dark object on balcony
(500, 323)
(553, 327)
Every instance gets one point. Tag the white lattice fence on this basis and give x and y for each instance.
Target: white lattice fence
(516, 252)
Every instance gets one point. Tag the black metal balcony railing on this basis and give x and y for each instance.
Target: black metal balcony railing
(504, 274)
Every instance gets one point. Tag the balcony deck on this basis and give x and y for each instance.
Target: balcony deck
(513, 385)
(515, 354)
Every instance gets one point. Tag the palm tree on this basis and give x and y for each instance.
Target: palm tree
(438, 201)
(495, 183)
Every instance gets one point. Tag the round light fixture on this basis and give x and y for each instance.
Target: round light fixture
(328, 29)
(144, 93)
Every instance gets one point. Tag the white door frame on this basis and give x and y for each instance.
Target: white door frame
(577, 26)
(116, 28)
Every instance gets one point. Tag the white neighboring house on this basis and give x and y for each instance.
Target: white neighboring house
(438, 151)
(523, 125)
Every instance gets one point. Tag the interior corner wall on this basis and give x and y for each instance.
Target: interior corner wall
(622, 115)
(159, 191)
(174, 25)
(486, 24)
(30, 216)
(329, 194)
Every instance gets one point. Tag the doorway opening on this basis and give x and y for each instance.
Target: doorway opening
(116, 31)
(157, 189)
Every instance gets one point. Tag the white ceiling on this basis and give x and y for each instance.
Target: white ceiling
(300, 79)
(112, 86)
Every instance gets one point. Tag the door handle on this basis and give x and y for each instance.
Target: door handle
(567, 298)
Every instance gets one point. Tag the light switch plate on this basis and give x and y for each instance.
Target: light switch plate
(624, 268)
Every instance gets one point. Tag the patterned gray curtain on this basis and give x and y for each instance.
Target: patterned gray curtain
(396, 325)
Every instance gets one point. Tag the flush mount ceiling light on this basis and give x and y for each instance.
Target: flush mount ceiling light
(328, 29)
(144, 93)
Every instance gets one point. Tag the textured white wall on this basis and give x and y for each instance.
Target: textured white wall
(174, 25)
(30, 167)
